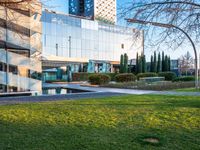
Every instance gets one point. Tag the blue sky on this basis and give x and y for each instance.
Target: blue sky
(62, 6)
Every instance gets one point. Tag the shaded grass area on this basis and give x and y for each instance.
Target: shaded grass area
(116, 123)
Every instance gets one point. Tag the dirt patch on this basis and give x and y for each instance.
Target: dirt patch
(151, 140)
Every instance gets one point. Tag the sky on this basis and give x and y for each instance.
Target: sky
(62, 6)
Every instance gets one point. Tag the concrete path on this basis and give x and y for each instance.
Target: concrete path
(46, 98)
(100, 89)
(121, 91)
(96, 92)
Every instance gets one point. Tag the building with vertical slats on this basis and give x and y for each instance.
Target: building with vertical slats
(20, 47)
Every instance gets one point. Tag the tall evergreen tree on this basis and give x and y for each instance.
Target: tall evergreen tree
(158, 63)
(143, 64)
(155, 62)
(125, 63)
(137, 64)
(163, 62)
(169, 63)
(151, 64)
(166, 63)
(140, 65)
(121, 64)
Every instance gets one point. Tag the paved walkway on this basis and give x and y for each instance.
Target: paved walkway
(100, 89)
(122, 91)
(45, 98)
(96, 92)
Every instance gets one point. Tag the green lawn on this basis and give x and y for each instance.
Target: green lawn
(187, 90)
(118, 123)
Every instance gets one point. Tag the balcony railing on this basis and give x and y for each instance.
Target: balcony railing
(23, 83)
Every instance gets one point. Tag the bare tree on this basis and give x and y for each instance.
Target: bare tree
(180, 19)
(186, 63)
(184, 14)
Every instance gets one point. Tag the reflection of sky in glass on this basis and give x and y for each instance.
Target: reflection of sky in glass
(62, 6)
(56, 5)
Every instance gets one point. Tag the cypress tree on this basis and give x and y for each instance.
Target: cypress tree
(151, 64)
(125, 63)
(155, 63)
(137, 64)
(140, 65)
(166, 63)
(159, 63)
(143, 64)
(169, 64)
(163, 62)
(121, 64)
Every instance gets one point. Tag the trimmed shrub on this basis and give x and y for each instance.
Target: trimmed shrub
(84, 76)
(81, 76)
(148, 74)
(99, 79)
(111, 75)
(169, 76)
(125, 77)
(184, 78)
(52, 81)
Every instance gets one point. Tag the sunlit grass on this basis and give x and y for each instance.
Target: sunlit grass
(109, 123)
(187, 90)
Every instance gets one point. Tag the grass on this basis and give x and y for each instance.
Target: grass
(187, 90)
(117, 123)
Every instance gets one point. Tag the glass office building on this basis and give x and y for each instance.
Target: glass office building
(104, 10)
(20, 46)
(82, 8)
(75, 40)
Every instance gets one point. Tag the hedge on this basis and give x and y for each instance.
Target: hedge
(99, 79)
(84, 76)
(125, 77)
(81, 76)
(169, 76)
(184, 78)
(148, 74)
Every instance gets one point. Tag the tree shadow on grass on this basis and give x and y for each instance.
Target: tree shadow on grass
(80, 137)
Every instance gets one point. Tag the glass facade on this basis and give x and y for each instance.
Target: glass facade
(103, 10)
(83, 8)
(76, 38)
(20, 46)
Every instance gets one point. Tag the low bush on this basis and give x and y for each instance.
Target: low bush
(125, 77)
(52, 81)
(84, 76)
(148, 74)
(80, 76)
(159, 86)
(167, 85)
(99, 79)
(184, 78)
(169, 76)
